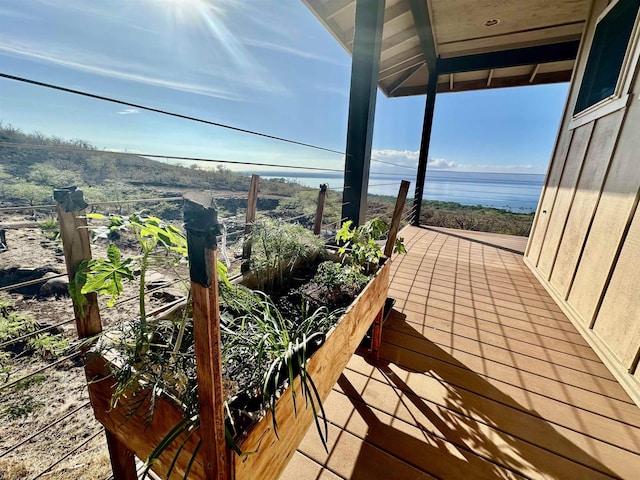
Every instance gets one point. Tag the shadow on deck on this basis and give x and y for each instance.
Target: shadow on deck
(481, 377)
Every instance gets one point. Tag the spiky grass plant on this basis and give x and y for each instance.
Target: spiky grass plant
(279, 348)
(50, 230)
(277, 248)
(268, 351)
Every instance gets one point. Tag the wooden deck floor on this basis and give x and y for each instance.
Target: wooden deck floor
(481, 377)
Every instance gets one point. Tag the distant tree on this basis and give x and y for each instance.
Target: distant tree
(44, 174)
(30, 193)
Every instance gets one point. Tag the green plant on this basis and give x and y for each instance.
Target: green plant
(28, 192)
(273, 350)
(5, 366)
(277, 248)
(148, 354)
(29, 382)
(5, 302)
(105, 276)
(338, 283)
(50, 230)
(238, 300)
(47, 346)
(361, 243)
(21, 407)
(14, 325)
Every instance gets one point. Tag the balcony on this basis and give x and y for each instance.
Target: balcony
(481, 376)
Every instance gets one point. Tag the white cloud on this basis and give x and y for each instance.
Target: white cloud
(441, 163)
(402, 161)
(128, 111)
(410, 154)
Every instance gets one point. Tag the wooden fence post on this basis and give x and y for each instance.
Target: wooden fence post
(322, 195)
(252, 205)
(397, 216)
(201, 225)
(70, 206)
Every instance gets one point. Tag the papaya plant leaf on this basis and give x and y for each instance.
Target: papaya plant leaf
(113, 254)
(105, 276)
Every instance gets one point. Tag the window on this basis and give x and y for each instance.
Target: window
(604, 73)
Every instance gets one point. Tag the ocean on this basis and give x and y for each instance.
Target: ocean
(515, 192)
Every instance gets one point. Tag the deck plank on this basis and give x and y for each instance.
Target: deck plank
(481, 376)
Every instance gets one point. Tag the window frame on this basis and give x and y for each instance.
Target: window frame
(621, 97)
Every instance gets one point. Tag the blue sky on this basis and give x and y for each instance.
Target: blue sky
(262, 65)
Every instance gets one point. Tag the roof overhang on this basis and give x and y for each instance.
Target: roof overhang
(472, 44)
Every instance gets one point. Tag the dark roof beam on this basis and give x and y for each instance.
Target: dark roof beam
(556, 52)
(422, 24)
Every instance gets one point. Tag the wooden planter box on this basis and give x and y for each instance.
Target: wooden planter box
(273, 454)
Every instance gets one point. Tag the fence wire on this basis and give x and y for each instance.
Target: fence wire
(29, 283)
(44, 429)
(39, 370)
(69, 453)
(34, 333)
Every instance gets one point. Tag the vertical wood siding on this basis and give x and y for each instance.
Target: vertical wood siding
(585, 243)
(564, 197)
(584, 204)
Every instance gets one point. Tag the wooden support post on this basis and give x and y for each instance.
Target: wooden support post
(376, 334)
(397, 216)
(322, 195)
(365, 66)
(76, 245)
(201, 225)
(252, 206)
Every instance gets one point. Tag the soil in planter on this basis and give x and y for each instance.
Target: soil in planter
(303, 292)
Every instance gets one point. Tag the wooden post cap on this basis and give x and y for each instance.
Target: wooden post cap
(71, 199)
(202, 227)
